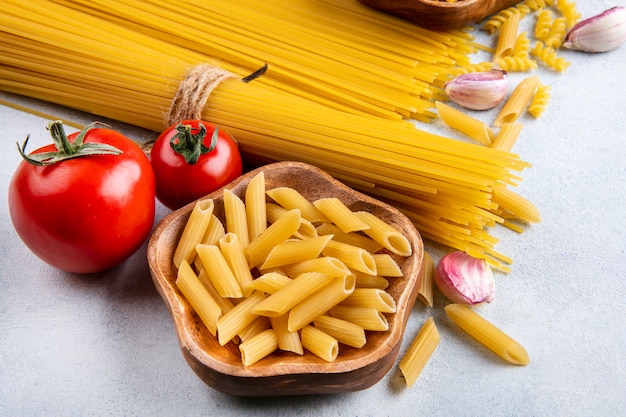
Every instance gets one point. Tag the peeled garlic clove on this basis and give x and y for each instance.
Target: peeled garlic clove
(478, 90)
(599, 33)
(465, 279)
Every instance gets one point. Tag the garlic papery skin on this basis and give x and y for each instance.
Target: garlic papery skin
(601, 33)
(478, 90)
(465, 279)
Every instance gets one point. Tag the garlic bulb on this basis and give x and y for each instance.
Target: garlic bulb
(465, 279)
(478, 90)
(600, 33)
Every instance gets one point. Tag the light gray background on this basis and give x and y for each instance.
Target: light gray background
(104, 344)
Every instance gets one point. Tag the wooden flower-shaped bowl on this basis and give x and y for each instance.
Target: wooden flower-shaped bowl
(284, 373)
(441, 14)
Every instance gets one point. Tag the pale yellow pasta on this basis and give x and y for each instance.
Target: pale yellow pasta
(258, 347)
(515, 204)
(287, 341)
(521, 49)
(326, 265)
(236, 320)
(367, 317)
(516, 64)
(540, 101)
(305, 231)
(371, 298)
(340, 215)
(518, 101)
(569, 11)
(319, 343)
(352, 256)
(219, 271)
(464, 123)
(214, 232)
(487, 334)
(294, 251)
(283, 300)
(386, 234)
(370, 281)
(260, 324)
(236, 218)
(276, 233)
(193, 232)
(347, 333)
(419, 352)
(543, 24)
(270, 282)
(290, 199)
(507, 37)
(225, 303)
(201, 301)
(232, 251)
(426, 280)
(507, 136)
(558, 30)
(355, 239)
(549, 56)
(496, 21)
(255, 205)
(386, 266)
(480, 67)
(320, 302)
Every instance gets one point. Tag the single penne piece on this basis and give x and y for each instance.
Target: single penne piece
(426, 280)
(270, 282)
(371, 298)
(386, 266)
(507, 37)
(291, 198)
(370, 281)
(259, 325)
(232, 250)
(419, 352)
(258, 347)
(319, 343)
(326, 265)
(294, 251)
(236, 320)
(201, 301)
(506, 138)
(305, 231)
(352, 256)
(214, 232)
(255, 205)
(366, 317)
(193, 232)
(517, 101)
(516, 204)
(340, 215)
(345, 332)
(320, 302)
(296, 291)
(386, 235)
(276, 233)
(466, 124)
(287, 341)
(236, 217)
(355, 239)
(219, 271)
(487, 334)
(225, 303)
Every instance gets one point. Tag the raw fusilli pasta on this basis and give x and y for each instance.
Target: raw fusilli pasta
(516, 64)
(548, 56)
(540, 100)
(544, 24)
(569, 11)
(557, 33)
(521, 48)
(480, 67)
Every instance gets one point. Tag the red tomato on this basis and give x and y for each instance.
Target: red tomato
(84, 214)
(192, 159)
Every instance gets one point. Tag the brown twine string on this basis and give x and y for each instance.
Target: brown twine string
(193, 92)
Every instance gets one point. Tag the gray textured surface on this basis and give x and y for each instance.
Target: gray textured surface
(105, 345)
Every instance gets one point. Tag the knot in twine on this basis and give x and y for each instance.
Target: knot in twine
(193, 92)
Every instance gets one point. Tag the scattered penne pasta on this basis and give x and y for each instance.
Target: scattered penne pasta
(419, 352)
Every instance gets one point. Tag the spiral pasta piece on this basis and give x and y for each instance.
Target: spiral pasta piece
(516, 64)
(540, 100)
(557, 33)
(535, 5)
(544, 24)
(548, 56)
(480, 67)
(521, 48)
(569, 11)
(496, 21)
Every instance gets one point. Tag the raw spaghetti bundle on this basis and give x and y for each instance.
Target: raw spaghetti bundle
(77, 59)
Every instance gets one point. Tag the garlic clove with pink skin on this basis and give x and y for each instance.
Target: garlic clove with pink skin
(601, 33)
(478, 90)
(465, 279)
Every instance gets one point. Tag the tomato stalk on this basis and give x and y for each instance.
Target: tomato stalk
(65, 148)
(191, 145)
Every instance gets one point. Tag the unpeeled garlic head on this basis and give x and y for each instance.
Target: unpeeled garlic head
(465, 279)
(478, 90)
(601, 33)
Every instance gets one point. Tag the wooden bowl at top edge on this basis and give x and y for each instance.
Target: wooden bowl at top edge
(440, 14)
(284, 373)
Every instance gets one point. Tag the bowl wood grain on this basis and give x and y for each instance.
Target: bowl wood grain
(284, 373)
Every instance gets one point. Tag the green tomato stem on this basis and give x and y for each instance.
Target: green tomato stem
(191, 145)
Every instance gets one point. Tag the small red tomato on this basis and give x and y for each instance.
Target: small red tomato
(86, 203)
(191, 159)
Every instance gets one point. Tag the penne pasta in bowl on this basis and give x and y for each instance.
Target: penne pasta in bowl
(251, 342)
